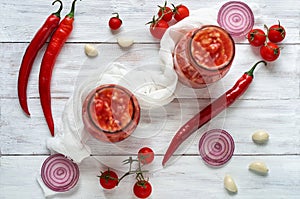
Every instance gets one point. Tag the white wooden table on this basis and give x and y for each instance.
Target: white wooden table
(271, 103)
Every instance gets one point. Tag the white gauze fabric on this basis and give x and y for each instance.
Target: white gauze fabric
(155, 87)
(152, 87)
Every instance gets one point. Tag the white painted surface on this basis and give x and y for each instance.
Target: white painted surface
(271, 103)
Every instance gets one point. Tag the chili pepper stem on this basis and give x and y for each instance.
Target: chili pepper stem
(60, 8)
(71, 13)
(251, 71)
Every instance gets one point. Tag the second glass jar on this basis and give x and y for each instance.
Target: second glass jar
(203, 56)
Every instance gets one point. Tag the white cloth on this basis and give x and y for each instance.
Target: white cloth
(154, 85)
(47, 192)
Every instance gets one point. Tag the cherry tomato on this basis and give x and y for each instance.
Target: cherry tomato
(270, 51)
(115, 22)
(142, 189)
(256, 37)
(276, 33)
(146, 155)
(158, 28)
(166, 11)
(180, 12)
(109, 179)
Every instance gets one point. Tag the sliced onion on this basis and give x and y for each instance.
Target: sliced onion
(59, 173)
(216, 147)
(236, 18)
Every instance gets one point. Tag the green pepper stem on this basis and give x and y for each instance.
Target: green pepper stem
(60, 8)
(251, 71)
(71, 13)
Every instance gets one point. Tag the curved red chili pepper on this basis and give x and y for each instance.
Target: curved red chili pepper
(210, 112)
(32, 50)
(56, 43)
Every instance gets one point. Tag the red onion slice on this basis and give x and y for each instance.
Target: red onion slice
(216, 147)
(59, 173)
(236, 18)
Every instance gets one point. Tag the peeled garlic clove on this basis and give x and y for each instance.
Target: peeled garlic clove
(229, 184)
(259, 167)
(90, 50)
(125, 42)
(260, 137)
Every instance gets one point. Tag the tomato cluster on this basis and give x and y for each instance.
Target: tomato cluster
(269, 50)
(142, 188)
(159, 25)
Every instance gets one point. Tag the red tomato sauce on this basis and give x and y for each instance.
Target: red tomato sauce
(113, 109)
(110, 113)
(203, 56)
(212, 47)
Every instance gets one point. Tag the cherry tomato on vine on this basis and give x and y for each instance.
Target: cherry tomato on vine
(158, 28)
(109, 179)
(180, 12)
(166, 12)
(256, 37)
(270, 51)
(115, 22)
(142, 189)
(146, 155)
(276, 33)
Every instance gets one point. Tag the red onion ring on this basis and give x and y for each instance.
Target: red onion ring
(216, 147)
(59, 173)
(236, 18)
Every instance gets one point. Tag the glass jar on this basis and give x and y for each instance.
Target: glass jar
(110, 113)
(203, 56)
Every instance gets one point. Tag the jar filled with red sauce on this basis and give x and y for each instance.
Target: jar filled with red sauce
(110, 113)
(203, 56)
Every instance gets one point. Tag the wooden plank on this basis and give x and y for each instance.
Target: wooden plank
(22, 135)
(189, 175)
(272, 103)
(277, 81)
(21, 19)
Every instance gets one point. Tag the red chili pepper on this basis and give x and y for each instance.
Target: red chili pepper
(55, 45)
(32, 50)
(210, 112)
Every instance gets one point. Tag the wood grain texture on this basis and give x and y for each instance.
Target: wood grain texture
(272, 103)
(189, 175)
(278, 80)
(243, 118)
(92, 17)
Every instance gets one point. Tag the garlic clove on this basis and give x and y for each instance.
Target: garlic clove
(90, 50)
(260, 137)
(259, 167)
(229, 184)
(125, 42)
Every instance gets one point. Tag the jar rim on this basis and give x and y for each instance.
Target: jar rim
(215, 68)
(114, 86)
